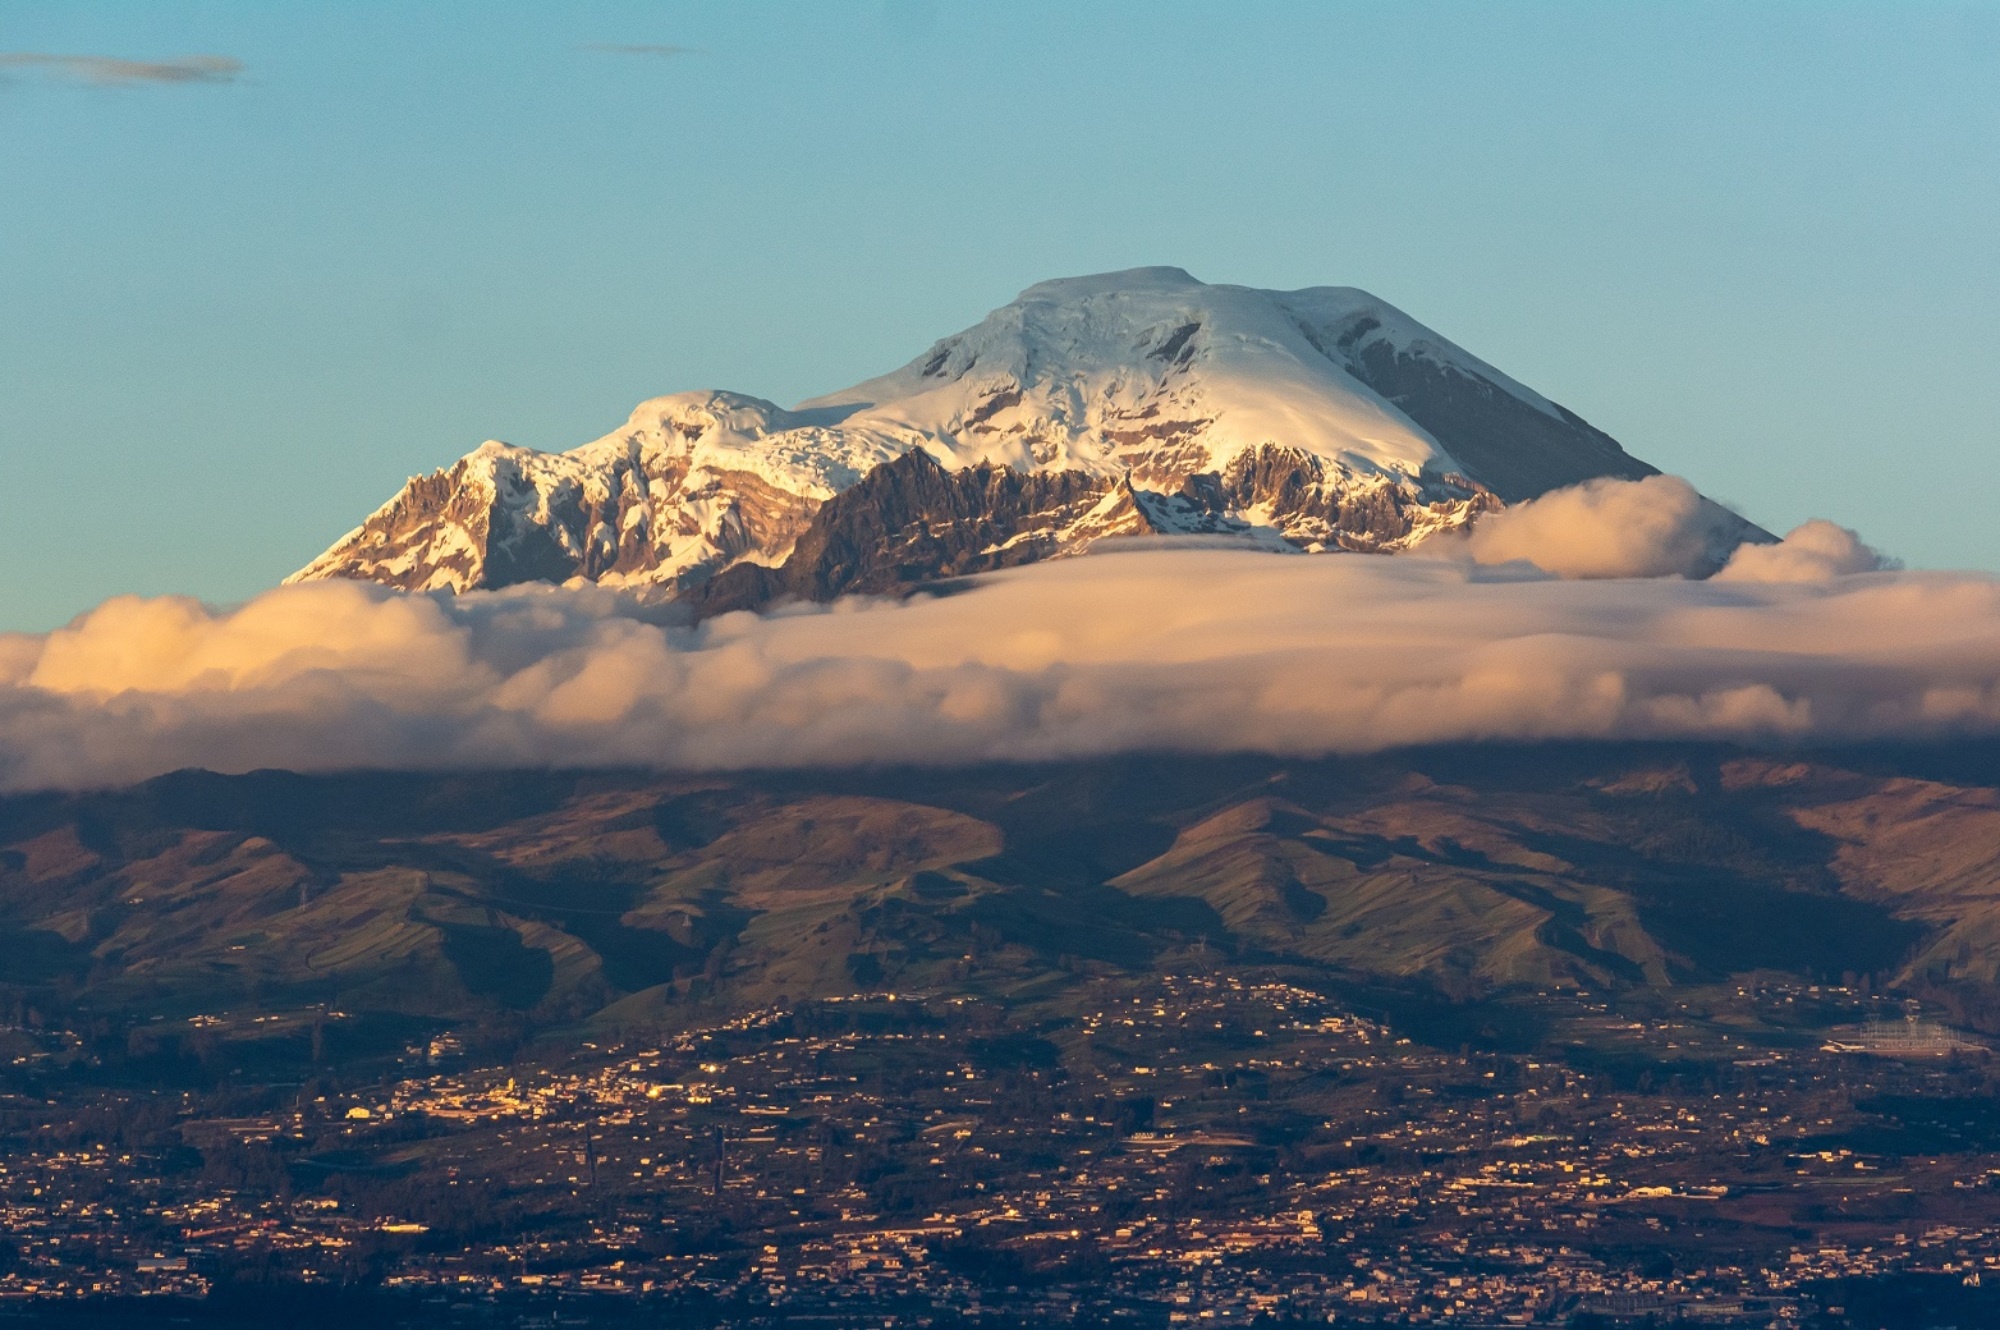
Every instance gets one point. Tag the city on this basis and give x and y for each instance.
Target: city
(1187, 1148)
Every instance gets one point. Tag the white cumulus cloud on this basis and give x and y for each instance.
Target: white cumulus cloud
(1655, 527)
(1816, 551)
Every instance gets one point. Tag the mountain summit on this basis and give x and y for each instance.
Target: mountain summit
(1133, 402)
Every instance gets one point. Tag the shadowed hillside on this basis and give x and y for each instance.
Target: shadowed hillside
(540, 898)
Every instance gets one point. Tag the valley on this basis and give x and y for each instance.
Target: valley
(1475, 1036)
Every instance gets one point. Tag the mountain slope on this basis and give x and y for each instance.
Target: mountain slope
(1468, 871)
(1324, 418)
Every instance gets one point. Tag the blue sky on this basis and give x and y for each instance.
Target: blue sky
(1755, 242)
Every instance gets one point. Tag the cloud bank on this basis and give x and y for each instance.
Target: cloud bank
(1198, 651)
(110, 71)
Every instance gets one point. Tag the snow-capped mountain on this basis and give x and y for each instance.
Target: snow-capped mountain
(1322, 418)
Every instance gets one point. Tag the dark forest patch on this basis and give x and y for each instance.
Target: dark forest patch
(494, 963)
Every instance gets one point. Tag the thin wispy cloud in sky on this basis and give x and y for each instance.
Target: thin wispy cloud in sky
(661, 51)
(107, 71)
